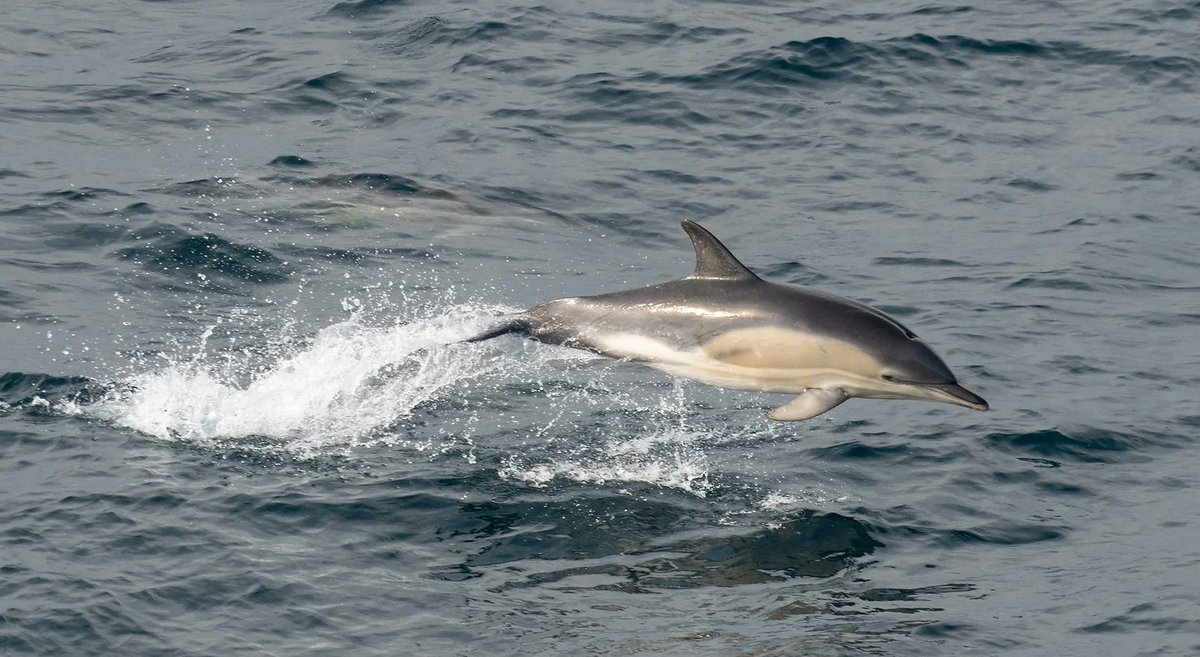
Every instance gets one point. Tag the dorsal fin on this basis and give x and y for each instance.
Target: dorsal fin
(713, 260)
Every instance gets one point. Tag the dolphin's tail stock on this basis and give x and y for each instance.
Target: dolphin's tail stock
(516, 324)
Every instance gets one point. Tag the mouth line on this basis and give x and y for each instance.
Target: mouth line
(954, 393)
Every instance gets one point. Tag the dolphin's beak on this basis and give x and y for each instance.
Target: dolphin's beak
(952, 393)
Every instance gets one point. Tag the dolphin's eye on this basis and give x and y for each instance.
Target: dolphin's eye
(888, 377)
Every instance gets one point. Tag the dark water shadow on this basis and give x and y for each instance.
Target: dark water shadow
(645, 545)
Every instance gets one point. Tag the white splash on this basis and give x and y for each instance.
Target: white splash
(349, 382)
(672, 457)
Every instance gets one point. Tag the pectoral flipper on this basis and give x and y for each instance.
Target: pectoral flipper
(808, 404)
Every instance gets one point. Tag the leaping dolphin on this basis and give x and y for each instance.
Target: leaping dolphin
(726, 327)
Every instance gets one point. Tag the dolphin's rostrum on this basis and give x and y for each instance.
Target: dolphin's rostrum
(724, 326)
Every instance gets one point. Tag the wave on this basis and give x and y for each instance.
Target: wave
(178, 253)
(830, 59)
(364, 8)
(1053, 445)
(46, 393)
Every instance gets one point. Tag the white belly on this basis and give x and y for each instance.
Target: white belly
(791, 373)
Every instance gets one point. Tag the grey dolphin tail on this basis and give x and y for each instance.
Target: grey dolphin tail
(518, 325)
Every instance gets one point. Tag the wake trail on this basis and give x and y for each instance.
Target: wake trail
(419, 386)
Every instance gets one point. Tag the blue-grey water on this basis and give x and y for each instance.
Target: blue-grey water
(238, 239)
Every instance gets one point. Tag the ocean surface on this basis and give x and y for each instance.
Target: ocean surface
(238, 243)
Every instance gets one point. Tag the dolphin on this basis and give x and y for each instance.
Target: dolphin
(726, 327)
